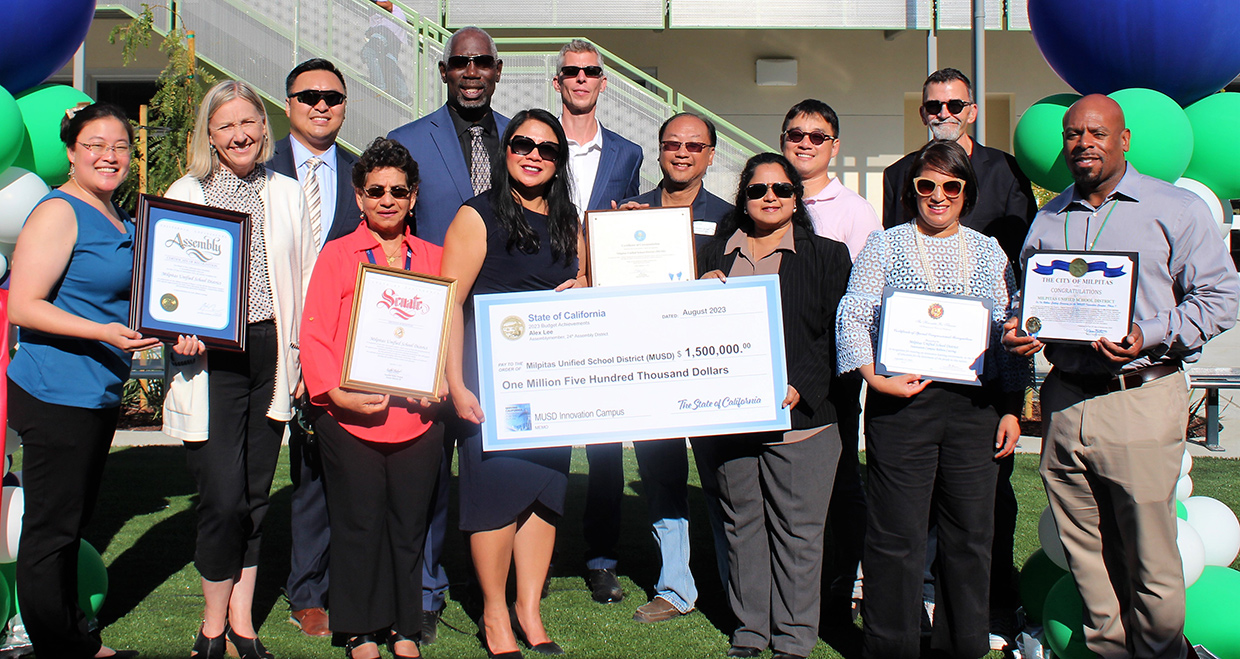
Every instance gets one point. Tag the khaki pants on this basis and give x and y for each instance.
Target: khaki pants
(1110, 463)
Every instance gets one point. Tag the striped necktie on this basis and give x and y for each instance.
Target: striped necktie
(479, 161)
(314, 201)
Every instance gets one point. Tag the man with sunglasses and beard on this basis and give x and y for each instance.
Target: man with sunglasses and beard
(454, 147)
(315, 107)
(1005, 208)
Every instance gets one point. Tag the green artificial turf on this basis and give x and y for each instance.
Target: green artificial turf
(145, 529)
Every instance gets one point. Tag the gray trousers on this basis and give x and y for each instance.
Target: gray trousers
(773, 499)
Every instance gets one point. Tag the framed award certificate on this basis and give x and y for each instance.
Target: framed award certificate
(398, 333)
(937, 336)
(1078, 297)
(191, 272)
(642, 246)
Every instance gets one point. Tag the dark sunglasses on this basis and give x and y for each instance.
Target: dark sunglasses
(397, 192)
(954, 106)
(463, 61)
(523, 146)
(691, 147)
(758, 190)
(572, 71)
(795, 135)
(312, 97)
(925, 187)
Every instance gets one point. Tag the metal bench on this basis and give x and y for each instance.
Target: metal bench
(1211, 380)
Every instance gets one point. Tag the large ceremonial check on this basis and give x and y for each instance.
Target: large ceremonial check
(642, 246)
(1078, 297)
(937, 336)
(587, 366)
(191, 272)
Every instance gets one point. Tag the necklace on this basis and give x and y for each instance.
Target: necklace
(391, 257)
(932, 280)
(1089, 247)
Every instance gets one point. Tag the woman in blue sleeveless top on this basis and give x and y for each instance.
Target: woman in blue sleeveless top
(70, 296)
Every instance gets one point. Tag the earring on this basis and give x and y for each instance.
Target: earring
(70, 170)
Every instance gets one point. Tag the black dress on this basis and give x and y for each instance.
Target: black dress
(497, 486)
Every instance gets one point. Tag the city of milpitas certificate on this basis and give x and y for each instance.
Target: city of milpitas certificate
(937, 336)
(1076, 297)
(626, 363)
(642, 246)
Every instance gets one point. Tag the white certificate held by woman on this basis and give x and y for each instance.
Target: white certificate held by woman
(937, 336)
(398, 333)
(641, 246)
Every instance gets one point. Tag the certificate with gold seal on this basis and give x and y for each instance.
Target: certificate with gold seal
(938, 336)
(1078, 297)
(642, 246)
(398, 333)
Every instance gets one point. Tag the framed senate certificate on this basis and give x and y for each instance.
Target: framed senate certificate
(937, 336)
(1078, 297)
(642, 246)
(398, 333)
(191, 272)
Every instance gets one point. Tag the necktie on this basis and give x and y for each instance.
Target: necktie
(314, 200)
(479, 161)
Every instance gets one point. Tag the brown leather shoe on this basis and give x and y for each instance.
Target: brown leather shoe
(658, 610)
(311, 622)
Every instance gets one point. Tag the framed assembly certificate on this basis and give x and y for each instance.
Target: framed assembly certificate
(627, 363)
(642, 246)
(937, 336)
(398, 332)
(191, 272)
(1078, 297)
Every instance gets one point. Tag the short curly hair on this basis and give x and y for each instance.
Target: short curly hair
(385, 153)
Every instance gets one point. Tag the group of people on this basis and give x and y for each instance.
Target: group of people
(496, 204)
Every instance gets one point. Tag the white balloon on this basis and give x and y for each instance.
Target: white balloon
(1218, 527)
(12, 506)
(20, 192)
(1220, 213)
(1048, 534)
(12, 442)
(1192, 551)
(1186, 463)
(1184, 488)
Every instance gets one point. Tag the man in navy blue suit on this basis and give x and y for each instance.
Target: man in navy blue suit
(315, 107)
(605, 168)
(454, 147)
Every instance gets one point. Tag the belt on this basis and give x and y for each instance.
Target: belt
(1099, 384)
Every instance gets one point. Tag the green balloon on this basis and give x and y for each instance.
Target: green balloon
(1216, 143)
(1038, 142)
(9, 572)
(1181, 510)
(42, 109)
(1037, 578)
(92, 580)
(1212, 616)
(1162, 138)
(1062, 620)
(12, 130)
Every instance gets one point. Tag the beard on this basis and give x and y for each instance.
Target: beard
(946, 130)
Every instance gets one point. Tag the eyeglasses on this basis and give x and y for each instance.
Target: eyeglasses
(925, 187)
(523, 146)
(954, 106)
(312, 97)
(572, 71)
(99, 149)
(691, 147)
(397, 192)
(781, 189)
(463, 61)
(795, 135)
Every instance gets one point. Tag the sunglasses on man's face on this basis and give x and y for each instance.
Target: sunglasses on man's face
(523, 146)
(312, 97)
(463, 61)
(572, 71)
(758, 190)
(397, 192)
(925, 187)
(795, 135)
(691, 147)
(954, 106)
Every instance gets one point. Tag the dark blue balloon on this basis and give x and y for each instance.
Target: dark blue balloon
(1186, 49)
(37, 38)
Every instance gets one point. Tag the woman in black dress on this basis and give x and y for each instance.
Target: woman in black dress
(522, 235)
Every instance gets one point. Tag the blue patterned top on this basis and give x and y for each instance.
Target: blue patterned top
(890, 258)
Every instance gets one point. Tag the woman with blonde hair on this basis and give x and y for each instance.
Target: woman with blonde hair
(230, 407)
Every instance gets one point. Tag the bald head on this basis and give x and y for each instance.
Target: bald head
(1094, 143)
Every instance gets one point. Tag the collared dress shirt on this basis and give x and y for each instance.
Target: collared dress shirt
(583, 160)
(326, 173)
(842, 215)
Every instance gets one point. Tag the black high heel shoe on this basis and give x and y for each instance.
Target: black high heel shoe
(206, 647)
(246, 648)
(393, 638)
(482, 637)
(549, 648)
(357, 642)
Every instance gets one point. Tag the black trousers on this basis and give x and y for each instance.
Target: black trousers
(235, 466)
(63, 452)
(600, 522)
(311, 535)
(846, 515)
(938, 445)
(379, 499)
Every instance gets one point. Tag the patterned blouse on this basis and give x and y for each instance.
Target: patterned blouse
(245, 195)
(892, 258)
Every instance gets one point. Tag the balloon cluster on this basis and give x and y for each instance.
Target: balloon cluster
(1208, 539)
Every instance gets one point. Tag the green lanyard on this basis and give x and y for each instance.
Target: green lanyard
(1089, 247)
